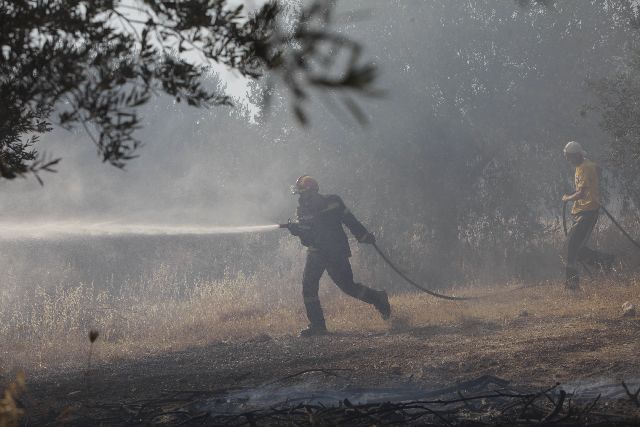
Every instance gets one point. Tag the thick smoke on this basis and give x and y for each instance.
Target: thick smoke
(459, 171)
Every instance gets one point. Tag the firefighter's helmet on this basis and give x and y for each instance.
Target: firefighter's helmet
(573, 147)
(305, 184)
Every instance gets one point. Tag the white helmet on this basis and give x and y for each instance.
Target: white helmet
(573, 147)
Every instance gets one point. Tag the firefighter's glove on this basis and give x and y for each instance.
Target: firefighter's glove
(367, 238)
(294, 228)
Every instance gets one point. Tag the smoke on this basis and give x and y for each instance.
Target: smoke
(594, 388)
(327, 392)
(459, 172)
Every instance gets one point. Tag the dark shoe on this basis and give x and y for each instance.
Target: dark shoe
(313, 331)
(382, 305)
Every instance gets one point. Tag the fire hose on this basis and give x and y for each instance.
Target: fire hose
(422, 288)
(412, 282)
(454, 298)
(613, 220)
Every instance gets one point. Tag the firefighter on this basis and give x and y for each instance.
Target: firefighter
(319, 220)
(585, 210)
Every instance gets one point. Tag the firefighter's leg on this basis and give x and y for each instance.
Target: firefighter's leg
(313, 270)
(341, 273)
(595, 258)
(585, 254)
(592, 257)
(588, 256)
(578, 236)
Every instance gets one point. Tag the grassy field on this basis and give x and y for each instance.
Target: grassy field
(160, 336)
(45, 331)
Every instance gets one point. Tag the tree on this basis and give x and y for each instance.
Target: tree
(495, 91)
(94, 63)
(619, 98)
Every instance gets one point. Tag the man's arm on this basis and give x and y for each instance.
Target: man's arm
(300, 229)
(580, 194)
(355, 227)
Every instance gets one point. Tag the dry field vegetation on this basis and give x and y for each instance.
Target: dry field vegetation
(46, 332)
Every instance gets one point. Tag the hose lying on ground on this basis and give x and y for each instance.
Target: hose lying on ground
(442, 296)
(418, 286)
(454, 298)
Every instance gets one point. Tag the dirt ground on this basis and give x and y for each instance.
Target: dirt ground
(531, 337)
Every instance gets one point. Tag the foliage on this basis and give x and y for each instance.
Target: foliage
(94, 63)
(496, 93)
(619, 98)
(10, 413)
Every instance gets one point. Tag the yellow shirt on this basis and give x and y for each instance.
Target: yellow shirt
(587, 179)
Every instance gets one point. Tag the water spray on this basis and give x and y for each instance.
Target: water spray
(84, 229)
(63, 229)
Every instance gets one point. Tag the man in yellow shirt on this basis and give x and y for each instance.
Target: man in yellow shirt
(586, 207)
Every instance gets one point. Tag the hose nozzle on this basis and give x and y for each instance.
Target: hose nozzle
(286, 225)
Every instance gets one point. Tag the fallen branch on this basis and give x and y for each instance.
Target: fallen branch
(474, 408)
(327, 371)
(557, 408)
(633, 396)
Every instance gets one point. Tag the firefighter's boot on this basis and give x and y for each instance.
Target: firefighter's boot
(313, 331)
(382, 304)
(315, 316)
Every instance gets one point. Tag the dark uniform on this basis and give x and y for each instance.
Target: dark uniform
(319, 226)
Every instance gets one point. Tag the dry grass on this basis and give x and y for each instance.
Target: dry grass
(46, 331)
(598, 299)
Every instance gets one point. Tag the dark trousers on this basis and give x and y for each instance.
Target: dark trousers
(577, 251)
(339, 270)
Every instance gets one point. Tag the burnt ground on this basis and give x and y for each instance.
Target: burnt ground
(528, 350)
